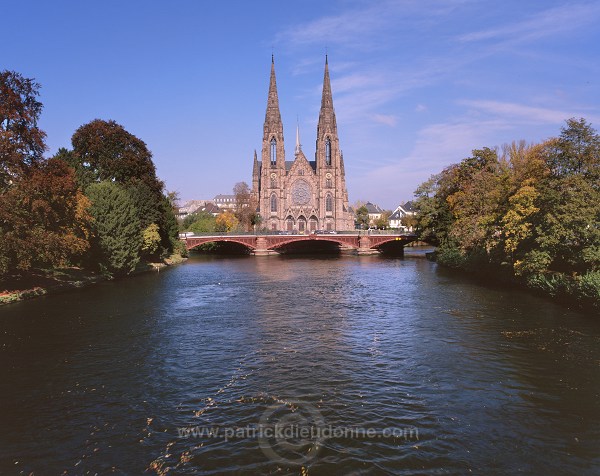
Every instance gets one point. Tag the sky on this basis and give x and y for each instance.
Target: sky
(417, 84)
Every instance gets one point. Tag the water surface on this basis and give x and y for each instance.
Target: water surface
(451, 376)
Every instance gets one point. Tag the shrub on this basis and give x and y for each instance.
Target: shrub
(450, 256)
(588, 288)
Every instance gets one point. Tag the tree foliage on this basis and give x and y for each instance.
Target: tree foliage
(533, 211)
(245, 207)
(21, 140)
(199, 222)
(44, 221)
(43, 216)
(150, 240)
(105, 151)
(117, 238)
(362, 216)
(226, 222)
(383, 221)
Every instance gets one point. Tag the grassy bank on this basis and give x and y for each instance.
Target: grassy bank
(41, 282)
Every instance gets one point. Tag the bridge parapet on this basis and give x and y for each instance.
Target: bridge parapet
(269, 244)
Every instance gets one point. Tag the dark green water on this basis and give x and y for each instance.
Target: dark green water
(436, 373)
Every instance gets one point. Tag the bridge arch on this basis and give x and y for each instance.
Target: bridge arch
(339, 240)
(249, 243)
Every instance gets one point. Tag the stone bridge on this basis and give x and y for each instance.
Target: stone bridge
(274, 244)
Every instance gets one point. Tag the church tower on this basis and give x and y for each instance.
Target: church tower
(329, 161)
(301, 196)
(268, 176)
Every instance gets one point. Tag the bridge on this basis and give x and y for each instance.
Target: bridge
(269, 244)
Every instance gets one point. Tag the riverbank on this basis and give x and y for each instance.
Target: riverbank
(577, 292)
(42, 282)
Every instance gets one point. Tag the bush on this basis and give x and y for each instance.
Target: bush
(553, 284)
(179, 248)
(450, 256)
(588, 288)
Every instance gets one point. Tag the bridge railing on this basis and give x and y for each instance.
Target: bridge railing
(185, 235)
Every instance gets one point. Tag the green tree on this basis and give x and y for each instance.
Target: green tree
(409, 221)
(362, 217)
(150, 240)
(577, 151)
(199, 222)
(105, 151)
(169, 230)
(536, 208)
(569, 229)
(116, 228)
(147, 201)
(383, 221)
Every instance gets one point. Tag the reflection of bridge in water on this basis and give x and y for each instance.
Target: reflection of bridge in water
(260, 245)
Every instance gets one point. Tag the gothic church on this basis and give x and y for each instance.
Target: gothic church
(300, 195)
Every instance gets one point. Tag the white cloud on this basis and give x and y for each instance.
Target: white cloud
(523, 113)
(386, 119)
(547, 23)
(350, 28)
(436, 146)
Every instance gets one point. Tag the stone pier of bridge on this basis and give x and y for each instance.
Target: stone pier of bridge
(262, 247)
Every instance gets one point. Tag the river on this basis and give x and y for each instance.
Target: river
(298, 365)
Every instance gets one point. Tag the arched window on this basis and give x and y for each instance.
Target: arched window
(273, 203)
(327, 152)
(273, 151)
(329, 203)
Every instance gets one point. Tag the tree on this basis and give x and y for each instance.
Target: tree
(569, 228)
(577, 151)
(362, 217)
(533, 213)
(226, 222)
(117, 238)
(245, 206)
(150, 240)
(409, 220)
(517, 226)
(105, 151)
(169, 230)
(21, 140)
(383, 221)
(199, 222)
(44, 219)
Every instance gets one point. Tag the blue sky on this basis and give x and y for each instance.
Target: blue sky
(416, 84)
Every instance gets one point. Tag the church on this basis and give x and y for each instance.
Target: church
(301, 195)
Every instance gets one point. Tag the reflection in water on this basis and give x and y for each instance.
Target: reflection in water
(106, 379)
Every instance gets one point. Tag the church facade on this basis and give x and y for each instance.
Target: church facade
(301, 195)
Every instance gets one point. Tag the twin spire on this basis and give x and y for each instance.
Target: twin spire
(327, 121)
(273, 116)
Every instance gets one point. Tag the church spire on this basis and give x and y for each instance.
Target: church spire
(273, 116)
(298, 145)
(327, 122)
